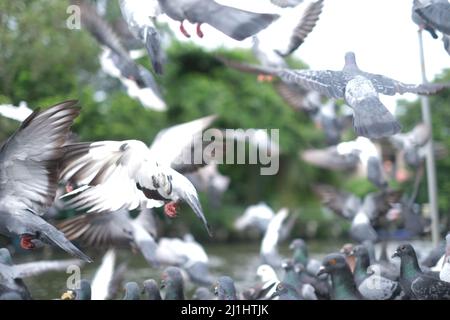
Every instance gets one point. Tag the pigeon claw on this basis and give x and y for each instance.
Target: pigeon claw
(170, 209)
(183, 30)
(26, 242)
(264, 78)
(199, 30)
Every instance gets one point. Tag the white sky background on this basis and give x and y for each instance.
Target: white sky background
(380, 32)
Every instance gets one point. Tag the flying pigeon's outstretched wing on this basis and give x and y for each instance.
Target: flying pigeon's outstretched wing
(304, 28)
(342, 203)
(390, 87)
(29, 159)
(329, 158)
(437, 15)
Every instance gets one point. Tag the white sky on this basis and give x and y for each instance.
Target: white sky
(380, 32)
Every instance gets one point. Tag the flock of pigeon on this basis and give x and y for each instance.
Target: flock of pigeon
(42, 169)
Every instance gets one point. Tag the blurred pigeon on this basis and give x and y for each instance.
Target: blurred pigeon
(202, 293)
(420, 21)
(131, 291)
(444, 274)
(257, 216)
(269, 251)
(359, 89)
(412, 144)
(235, 23)
(343, 285)
(416, 284)
(304, 27)
(115, 229)
(225, 289)
(436, 13)
(268, 278)
(286, 3)
(151, 289)
(172, 282)
(82, 291)
(139, 16)
(29, 167)
(285, 291)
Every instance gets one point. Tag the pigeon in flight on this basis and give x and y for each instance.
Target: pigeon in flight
(360, 90)
(304, 27)
(435, 13)
(29, 168)
(423, 25)
(235, 23)
(139, 16)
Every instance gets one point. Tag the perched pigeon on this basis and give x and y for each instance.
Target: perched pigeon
(11, 275)
(151, 289)
(436, 13)
(118, 228)
(29, 168)
(372, 286)
(132, 291)
(173, 284)
(225, 289)
(235, 23)
(415, 283)
(343, 285)
(304, 27)
(139, 16)
(300, 255)
(268, 278)
(359, 89)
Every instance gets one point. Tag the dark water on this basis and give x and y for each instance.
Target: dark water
(239, 261)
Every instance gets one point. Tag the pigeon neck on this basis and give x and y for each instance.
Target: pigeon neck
(175, 292)
(343, 285)
(409, 267)
(291, 278)
(350, 63)
(301, 256)
(360, 272)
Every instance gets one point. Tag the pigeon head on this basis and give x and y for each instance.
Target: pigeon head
(300, 250)
(266, 273)
(184, 190)
(285, 290)
(131, 291)
(225, 289)
(172, 281)
(347, 249)
(332, 263)
(404, 250)
(360, 251)
(151, 289)
(350, 61)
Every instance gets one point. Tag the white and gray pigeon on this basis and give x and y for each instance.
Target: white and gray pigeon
(110, 175)
(435, 13)
(11, 275)
(286, 3)
(115, 229)
(116, 61)
(444, 274)
(19, 113)
(346, 155)
(29, 169)
(236, 23)
(360, 90)
(139, 16)
(304, 27)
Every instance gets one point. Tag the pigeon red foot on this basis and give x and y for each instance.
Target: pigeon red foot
(183, 30)
(199, 30)
(26, 242)
(170, 209)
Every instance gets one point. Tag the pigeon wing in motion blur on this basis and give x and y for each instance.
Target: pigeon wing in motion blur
(113, 229)
(304, 28)
(29, 162)
(286, 3)
(235, 23)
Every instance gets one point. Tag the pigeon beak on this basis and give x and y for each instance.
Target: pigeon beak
(396, 254)
(322, 270)
(194, 203)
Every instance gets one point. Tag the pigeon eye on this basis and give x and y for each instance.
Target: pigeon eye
(333, 262)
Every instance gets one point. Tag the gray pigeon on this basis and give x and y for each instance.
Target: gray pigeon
(225, 289)
(304, 27)
(131, 291)
(420, 21)
(415, 283)
(29, 162)
(412, 144)
(235, 23)
(11, 275)
(151, 289)
(117, 229)
(173, 283)
(359, 89)
(139, 16)
(436, 14)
